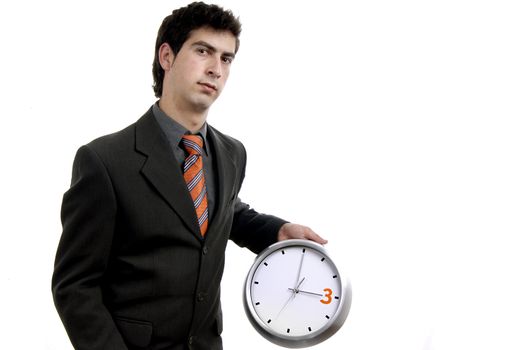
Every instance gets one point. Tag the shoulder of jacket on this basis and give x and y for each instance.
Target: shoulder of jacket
(114, 141)
(226, 139)
(118, 139)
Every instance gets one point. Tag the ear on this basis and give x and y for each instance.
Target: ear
(166, 56)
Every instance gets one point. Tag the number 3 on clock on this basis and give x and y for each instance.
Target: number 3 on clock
(328, 293)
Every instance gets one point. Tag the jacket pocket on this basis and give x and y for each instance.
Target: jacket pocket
(135, 332)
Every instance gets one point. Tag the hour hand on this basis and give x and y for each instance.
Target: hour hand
(311, 293)
(298, 291)
(297, 288)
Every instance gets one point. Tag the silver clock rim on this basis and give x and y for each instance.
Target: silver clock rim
(299, 341)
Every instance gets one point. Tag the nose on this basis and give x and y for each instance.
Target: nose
(214, 69)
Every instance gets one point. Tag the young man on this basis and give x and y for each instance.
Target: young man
(151, 208)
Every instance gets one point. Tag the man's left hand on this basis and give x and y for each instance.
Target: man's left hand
(295, 231)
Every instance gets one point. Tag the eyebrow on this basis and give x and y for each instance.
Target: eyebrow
(212, 48)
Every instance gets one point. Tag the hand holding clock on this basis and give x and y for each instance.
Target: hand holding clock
(295, 231)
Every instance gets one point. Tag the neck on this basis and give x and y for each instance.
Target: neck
(190, 119)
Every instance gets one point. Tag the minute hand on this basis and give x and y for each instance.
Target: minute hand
(296, 286)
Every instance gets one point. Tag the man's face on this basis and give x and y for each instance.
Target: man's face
(200, 69)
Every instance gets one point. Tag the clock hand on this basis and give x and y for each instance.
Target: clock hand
(297, 289)
(306, 292)
(294, 291)
(299, 269)
(293, 295)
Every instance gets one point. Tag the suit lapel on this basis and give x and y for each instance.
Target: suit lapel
(226, 173)
(162, 170)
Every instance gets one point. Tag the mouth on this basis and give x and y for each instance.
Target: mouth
(208, 86)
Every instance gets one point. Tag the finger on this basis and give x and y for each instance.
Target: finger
(313, 236)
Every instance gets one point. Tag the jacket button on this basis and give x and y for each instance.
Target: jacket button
(205, 250)
(191, 340)
(201, 297)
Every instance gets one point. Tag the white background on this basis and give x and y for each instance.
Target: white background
(401, 125)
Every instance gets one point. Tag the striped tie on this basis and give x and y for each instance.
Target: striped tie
(193, 175)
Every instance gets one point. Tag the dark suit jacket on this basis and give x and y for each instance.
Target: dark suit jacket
(131, 270)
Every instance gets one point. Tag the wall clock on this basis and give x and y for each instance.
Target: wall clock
(294, 294)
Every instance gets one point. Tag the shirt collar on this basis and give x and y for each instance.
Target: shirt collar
(174, 130)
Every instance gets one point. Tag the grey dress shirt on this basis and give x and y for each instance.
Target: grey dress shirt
(174, 132)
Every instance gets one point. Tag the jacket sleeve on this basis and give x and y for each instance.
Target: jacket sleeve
(251, 229)
(88, 215)
(254, 230)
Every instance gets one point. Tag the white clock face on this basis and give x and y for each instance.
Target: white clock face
(295, 291)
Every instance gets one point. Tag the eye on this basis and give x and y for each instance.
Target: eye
(202, 50)
(227, 59)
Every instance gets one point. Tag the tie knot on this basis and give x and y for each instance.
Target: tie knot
(193, 144)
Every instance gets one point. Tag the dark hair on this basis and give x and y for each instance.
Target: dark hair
(177, 27)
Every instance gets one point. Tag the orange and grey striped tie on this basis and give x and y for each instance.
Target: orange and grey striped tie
(193, 175)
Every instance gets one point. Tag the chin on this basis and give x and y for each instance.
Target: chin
(204, 103)
(202, 106)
